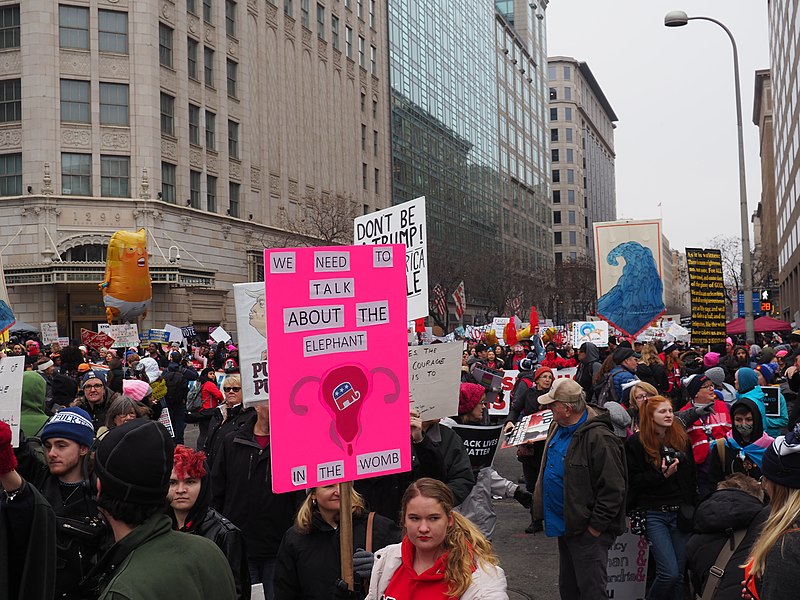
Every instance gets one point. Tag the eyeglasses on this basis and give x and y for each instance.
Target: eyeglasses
(93, 386)
(707, 386)
(230, 389)
(641, 397)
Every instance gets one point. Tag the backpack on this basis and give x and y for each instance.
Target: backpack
(194, 399)
(604, 390)
(177, 389)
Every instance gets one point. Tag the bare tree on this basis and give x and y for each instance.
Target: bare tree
(322, 220)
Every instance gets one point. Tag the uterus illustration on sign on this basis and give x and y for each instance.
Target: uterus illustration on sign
(342, 392)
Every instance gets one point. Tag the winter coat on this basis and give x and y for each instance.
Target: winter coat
(780, 569)
(211, 395)
(654, 374)
(440, 455)
(488, 582)
(588, 368)
(720, 423)
(155, 562)
(773, 424)
(33, 403)
(98, 410)
(595, 481)
(309, 564)
(218, 429)
(525, 401)
(241, 484)
(648, 486)
(478, 508)
(715, 519)
(620, 376)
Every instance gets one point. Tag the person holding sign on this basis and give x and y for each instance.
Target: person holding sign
(308, 565)
(746, 383)
(442, 555)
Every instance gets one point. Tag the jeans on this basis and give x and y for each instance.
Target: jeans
(531, 466)
(582, 565)
(178, 416)
(262, 570)
(668, 549)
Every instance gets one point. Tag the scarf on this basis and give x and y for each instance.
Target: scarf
(754, 450)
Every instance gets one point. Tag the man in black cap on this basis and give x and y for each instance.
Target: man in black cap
(624, 370)
(149, 559)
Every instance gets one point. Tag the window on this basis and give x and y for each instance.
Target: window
(573, 238)
(556, 217)
(554, 114)
(360, 9)
(287, 7)
(304, 16)
(556, 196)
(168, 182)
(361, 56)
(363, 138)
(165, 45)
(233, 139)
(556, 176)
(568, 133)
(76, 174)
(191, 52)
(375, 143)
(194, 189)
(115, 176)
(113, 104)
(211, 130)
(553, 94)
(568, 113)
(557, 238)
(335, 31)
(373, 61)
(570, 155)
(112, 31)
(10, 174)
(232, 73)
(167, 114)
(73, 27)
(230, 18)
(567, 72)
(377, 180)
(320, 21)
(374, 109)
(571, 217)
(348, 41)
(234, 190)
(211, 193)
(372, 13)
(75, 101)
(86, 253)
(208, 67)
(348, 4)
(363, 101)
(551, 72)
(567, 93)
(573, 256)
(570, 175)
(559, 259)
(554, 155)
(194, 124)
(554, 135)
(9, 29)
(10, 101)
(207, 9)
(364, 175)
(191, 6)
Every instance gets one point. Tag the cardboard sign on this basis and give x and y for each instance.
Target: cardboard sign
(125, 336)
(98, 341)
(402, 224)
(772, 402)
(175, 333)
(158, 335)
(532, 428)
(499, 326)
(434, 375)
(188, 331)
(49, 332)
(595, 332)
(502, 405)
(63, 342)
(340, 313)
(166, 421)
(11, 370)
(627, 567)
(220, 335)
(251, 325)
(480, 443)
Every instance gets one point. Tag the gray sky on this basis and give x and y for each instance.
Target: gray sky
(672, 90)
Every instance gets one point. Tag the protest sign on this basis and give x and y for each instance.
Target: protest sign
(11, 370)
(251, 325)
(175, 333)
(595, 332)
(220, 335)
(49, 332)
(158, 335)
(63, 342)
(502, 404)
(434, 374)
(98, 341)
(125, 335)
(772, 403)
(188, 331)
(531, 428)
(480, 442)
(402, 224)
(707, 293)
(499, 325)
(627, 567)
(340, 312)
(166, 421)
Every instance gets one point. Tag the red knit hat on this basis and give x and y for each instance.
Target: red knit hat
(469, 396)
(541, 371)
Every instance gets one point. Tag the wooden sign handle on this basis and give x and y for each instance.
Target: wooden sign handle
(346, 532)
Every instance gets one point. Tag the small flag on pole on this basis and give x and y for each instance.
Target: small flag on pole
(7, 319)
(460, 298)
(439, 300)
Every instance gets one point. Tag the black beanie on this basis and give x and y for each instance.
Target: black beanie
(781, 462)
(134, 462)
(694, 385)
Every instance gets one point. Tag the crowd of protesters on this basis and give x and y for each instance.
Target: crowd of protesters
(694, 448)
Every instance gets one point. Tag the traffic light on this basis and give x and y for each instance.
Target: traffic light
(766, 307)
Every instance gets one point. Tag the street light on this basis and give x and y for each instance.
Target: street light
(678, 18)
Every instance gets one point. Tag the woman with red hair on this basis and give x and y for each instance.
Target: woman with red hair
(190, 496)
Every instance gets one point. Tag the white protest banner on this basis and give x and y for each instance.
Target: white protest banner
(499, 325)
(220, 335)
(402, 224)
(125, 336)
(175, 333)
(480, 442)
(502, 405)
(49, 332)
(434, 378)
(595, 332)
(251, 325)
(11, 370)
(627, 567)
(166, 421)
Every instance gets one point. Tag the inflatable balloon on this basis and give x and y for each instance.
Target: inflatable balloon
(126, 288)
(510, 332)
(491, 337)
(524, 333)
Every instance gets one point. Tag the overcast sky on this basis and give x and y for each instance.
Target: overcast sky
(672, 90)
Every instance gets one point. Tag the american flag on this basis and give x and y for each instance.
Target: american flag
(460, 298)
(439, 300)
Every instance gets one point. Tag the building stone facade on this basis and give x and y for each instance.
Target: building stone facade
(582, 125)
(214, 124)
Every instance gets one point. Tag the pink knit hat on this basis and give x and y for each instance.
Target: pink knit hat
(135, 389)
(711, 359)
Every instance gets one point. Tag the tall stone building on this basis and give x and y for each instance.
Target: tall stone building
(220, 126)
(582, 125)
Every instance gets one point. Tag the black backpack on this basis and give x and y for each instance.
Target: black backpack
(604, 390)
(177, 388)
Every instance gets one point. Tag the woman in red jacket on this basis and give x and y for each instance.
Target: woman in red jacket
(212, 397)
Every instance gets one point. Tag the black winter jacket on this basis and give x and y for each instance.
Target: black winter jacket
(525, 400)
(588, 368)
(218, 430)
(308, 564)
(715, 520)
(648, 486)
(241, 484)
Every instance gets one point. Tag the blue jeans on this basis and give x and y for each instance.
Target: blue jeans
(262, 570)
(668, 549)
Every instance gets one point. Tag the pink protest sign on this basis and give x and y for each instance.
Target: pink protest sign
(338, 364)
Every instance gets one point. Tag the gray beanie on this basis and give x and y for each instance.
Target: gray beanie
(717, 375)
(620, 418)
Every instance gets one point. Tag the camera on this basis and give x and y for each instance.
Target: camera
(670, 456)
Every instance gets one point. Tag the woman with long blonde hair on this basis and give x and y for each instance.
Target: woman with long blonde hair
(442, 555)
(771, 571)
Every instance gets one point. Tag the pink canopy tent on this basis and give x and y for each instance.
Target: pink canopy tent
(763, 324)
(735, 327)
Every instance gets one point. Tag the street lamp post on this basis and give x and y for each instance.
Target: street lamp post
(678, 18)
